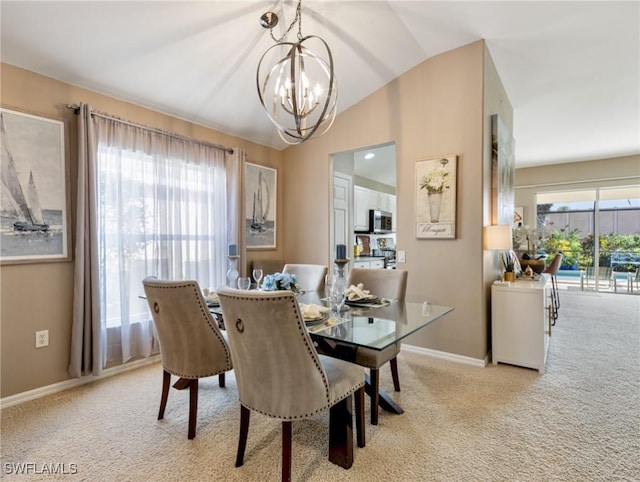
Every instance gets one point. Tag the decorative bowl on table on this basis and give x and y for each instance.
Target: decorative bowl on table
(537, 265)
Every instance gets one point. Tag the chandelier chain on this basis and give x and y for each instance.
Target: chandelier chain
(297, 19)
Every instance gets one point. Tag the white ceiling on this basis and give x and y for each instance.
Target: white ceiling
(571, 69)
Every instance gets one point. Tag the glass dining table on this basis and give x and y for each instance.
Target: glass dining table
(374, 326)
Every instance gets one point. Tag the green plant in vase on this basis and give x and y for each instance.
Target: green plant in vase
(509, 263)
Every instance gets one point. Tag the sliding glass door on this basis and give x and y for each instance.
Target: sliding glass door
(598, 232)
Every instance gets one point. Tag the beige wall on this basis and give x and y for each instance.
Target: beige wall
(39, 296)
(613, 172)
(440, 107)
(435, 109)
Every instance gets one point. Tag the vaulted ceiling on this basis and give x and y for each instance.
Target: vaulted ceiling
(571, 69)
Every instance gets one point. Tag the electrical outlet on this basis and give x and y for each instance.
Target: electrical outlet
(42, 338)
(401, 257)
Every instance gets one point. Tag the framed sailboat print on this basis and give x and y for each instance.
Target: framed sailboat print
(260, 206)
(34, 225)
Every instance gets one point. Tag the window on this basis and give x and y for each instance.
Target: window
(161, 212)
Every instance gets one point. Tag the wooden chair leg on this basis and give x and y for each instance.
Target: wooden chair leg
(374, 380)
(286, 450)
(360, 425)
(245, 415)
(221, 380)
(166, 383)
(341, 433)
(393, 363)
(193, 407)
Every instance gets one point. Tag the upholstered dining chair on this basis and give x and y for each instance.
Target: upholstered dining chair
(279, 374)
(267, 266)
(384, 283)
(309, 276)
(191, 345)
(552, 270)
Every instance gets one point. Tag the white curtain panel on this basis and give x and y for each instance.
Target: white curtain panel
(159, 209)
(235, 214)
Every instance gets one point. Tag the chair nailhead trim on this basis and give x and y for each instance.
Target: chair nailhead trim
(206, 314)
(302, 330)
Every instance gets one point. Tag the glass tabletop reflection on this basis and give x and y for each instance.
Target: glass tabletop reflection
(375, 327)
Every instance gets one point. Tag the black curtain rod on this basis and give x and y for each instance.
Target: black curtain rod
(76, 110)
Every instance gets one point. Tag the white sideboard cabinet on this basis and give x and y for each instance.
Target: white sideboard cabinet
(521, 322)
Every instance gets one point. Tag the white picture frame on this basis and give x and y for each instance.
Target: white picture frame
(34, 213)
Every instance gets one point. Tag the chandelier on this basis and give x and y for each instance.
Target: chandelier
(296, 86)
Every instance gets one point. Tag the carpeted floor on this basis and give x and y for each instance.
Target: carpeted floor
(580, 421)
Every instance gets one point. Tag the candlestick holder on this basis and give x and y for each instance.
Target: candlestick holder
(232, 271)
(338, 287)
(340, 264)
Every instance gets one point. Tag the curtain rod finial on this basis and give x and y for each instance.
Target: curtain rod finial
(75, 107)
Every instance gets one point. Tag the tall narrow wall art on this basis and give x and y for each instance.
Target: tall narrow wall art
(502, 172)
(260, 206)
(436, 186)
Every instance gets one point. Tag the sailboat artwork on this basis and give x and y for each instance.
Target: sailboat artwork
(29, 231)
(260, 192)
(260, 205)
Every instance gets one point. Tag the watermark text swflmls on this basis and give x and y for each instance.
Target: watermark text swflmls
(34, 468)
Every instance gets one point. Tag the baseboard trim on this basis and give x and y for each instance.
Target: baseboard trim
(109, 372)
(73, 382)
(476, 362)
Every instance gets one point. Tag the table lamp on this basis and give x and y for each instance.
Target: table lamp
(498, 238)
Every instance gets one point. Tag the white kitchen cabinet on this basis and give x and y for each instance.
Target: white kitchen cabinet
(365, 199)
(521, 322)
(375, 263)
(358, 263)
(392, 209)
(382, 201)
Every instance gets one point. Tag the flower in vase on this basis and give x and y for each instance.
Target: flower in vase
(437, 180)
(534, 236)
(280, 281)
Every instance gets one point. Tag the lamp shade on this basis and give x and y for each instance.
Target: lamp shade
(498, 237)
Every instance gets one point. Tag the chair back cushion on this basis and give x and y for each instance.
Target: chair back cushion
(385, 283)
(191, 345)
(309, 276)
(277, 369)
(555, 264)
(268, 266)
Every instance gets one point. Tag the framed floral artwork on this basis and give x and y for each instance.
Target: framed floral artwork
(34, 217)
(436, 186)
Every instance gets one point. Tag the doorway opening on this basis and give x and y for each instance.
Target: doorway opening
(364, 179)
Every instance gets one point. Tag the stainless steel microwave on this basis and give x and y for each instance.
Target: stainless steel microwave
(380, 222)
